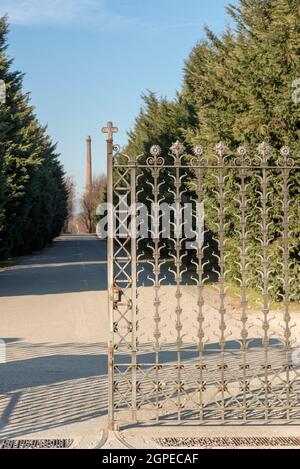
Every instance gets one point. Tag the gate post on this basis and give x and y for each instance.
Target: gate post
(110, 130)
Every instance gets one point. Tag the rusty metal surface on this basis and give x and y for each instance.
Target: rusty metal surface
(36, 444)
(229, 442)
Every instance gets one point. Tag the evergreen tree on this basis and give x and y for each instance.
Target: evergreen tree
(240, 86)
(160, 122)
(33, 195)
(238, 89)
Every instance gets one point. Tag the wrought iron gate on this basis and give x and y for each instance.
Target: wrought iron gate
(194, 332)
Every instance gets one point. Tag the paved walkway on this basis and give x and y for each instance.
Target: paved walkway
(54, 324)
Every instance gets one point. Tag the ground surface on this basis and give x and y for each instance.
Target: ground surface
(54, 323)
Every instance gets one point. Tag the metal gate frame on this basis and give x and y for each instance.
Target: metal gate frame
(135, 386)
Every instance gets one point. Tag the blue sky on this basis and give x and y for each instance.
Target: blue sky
(89, 61)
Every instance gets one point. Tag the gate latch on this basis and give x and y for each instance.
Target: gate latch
(117, 295)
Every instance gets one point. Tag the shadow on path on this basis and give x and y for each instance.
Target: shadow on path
(71, 264)
(67, 385)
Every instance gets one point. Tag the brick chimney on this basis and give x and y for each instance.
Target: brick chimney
(89, 177)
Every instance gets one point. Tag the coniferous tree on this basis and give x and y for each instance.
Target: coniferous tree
(160, 122)
(238, 89)
(241, 88)
(33, 196)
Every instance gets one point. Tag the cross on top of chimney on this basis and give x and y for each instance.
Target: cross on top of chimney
(110, 130)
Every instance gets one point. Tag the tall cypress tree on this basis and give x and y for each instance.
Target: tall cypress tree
(33, 196)
(160, 122)
(240, 85)
(238, 88)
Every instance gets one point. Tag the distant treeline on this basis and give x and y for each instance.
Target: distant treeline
(33, 196)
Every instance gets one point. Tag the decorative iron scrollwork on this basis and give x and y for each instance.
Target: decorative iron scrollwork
(204, 356)
(155, 159)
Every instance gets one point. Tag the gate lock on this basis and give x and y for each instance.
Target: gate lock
(117, 295)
